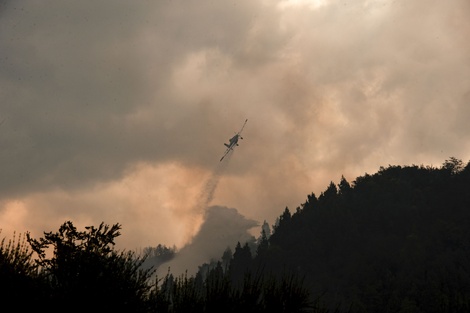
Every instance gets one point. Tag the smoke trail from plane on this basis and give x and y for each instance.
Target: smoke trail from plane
(210, 239)
(208, 190)
(204, 198)
(201, 207)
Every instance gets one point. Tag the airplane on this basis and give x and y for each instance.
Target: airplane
(233, 141)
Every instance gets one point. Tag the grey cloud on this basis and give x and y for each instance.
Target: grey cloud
(74, 75)
(88, 90)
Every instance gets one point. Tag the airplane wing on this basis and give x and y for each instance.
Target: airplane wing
(226, 152)
(233, 141)
(242, 127)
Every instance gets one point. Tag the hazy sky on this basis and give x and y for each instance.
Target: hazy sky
(117, 111)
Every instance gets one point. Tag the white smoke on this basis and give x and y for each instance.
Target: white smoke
(222, 227)
(208, 190)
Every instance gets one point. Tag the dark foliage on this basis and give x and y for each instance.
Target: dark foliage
(85, 272)
(255, 292)
(19, 275)
(156, 256)
(395, 241)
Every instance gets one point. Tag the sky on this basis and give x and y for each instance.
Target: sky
(116, 111)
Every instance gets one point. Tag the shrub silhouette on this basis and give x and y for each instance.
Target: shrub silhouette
(19, 276)
(85, 272)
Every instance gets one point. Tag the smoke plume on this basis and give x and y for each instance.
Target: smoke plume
(208, 190)
(222, 227)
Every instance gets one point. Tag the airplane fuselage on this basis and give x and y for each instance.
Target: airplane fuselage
(232, 141)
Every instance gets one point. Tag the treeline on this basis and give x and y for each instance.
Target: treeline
(72, 271)
(394, 241)
(78, 271)
(222, 291)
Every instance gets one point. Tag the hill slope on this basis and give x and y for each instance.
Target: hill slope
(394, 241)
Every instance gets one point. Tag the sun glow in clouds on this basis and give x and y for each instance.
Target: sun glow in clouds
(151, 199)
(312, 4)
(124, 121)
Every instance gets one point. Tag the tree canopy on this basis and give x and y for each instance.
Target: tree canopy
(85, 266)
(393, 241)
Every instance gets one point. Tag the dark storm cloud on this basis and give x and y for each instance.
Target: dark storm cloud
(87, 88)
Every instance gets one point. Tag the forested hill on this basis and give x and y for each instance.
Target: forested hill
(394, 241)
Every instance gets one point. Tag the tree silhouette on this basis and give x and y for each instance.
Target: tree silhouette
(393, 241)
(19, 275)
(240, 263)
(86, 272)
(453, 165)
